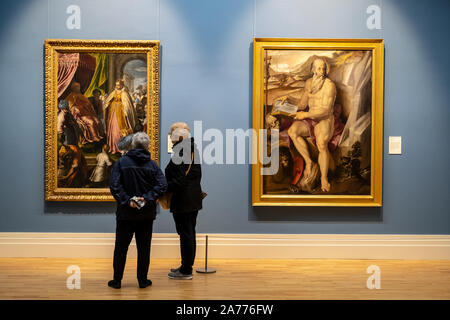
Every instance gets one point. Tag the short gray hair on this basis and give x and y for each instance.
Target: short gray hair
(140, 140)
(179, 132)
(124, 143)
(176, 125)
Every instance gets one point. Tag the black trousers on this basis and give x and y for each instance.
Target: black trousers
(124, 234)
(185, 224)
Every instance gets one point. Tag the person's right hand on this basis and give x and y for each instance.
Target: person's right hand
(142, 200)
(301, 115)
(133, 204)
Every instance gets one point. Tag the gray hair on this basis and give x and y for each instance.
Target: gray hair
(124, 143)
(140, 141)
(176, 125)
(179, 132)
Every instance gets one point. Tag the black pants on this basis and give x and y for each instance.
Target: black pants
(185, 224)
(124, 235)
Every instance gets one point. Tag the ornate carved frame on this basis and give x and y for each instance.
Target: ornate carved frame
(52, 46)
(377, 48)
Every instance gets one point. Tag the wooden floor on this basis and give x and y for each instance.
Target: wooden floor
(45, 278)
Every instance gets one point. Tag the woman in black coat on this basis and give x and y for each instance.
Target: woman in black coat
(183, 174)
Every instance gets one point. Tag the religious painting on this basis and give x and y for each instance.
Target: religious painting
(98, 93)
(321, 104)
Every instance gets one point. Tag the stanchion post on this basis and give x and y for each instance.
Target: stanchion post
(205, 269)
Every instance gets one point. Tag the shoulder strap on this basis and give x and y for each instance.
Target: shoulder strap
(190, 164)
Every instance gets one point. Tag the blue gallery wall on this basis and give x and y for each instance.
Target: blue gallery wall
(206, 67)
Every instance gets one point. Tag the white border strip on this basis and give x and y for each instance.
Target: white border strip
(234, 246)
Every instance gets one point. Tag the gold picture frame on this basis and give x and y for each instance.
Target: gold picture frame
(149, 54)
(280, 67)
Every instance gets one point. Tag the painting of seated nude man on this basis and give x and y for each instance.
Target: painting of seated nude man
(320, 100)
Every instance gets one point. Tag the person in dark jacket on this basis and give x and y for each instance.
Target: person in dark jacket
(135, 175)
(183, 174)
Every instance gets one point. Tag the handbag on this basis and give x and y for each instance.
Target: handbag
(165, 199)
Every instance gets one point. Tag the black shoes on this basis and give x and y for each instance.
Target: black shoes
(117, 284)
(144, 284)
(114, 284)
(177, 275)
